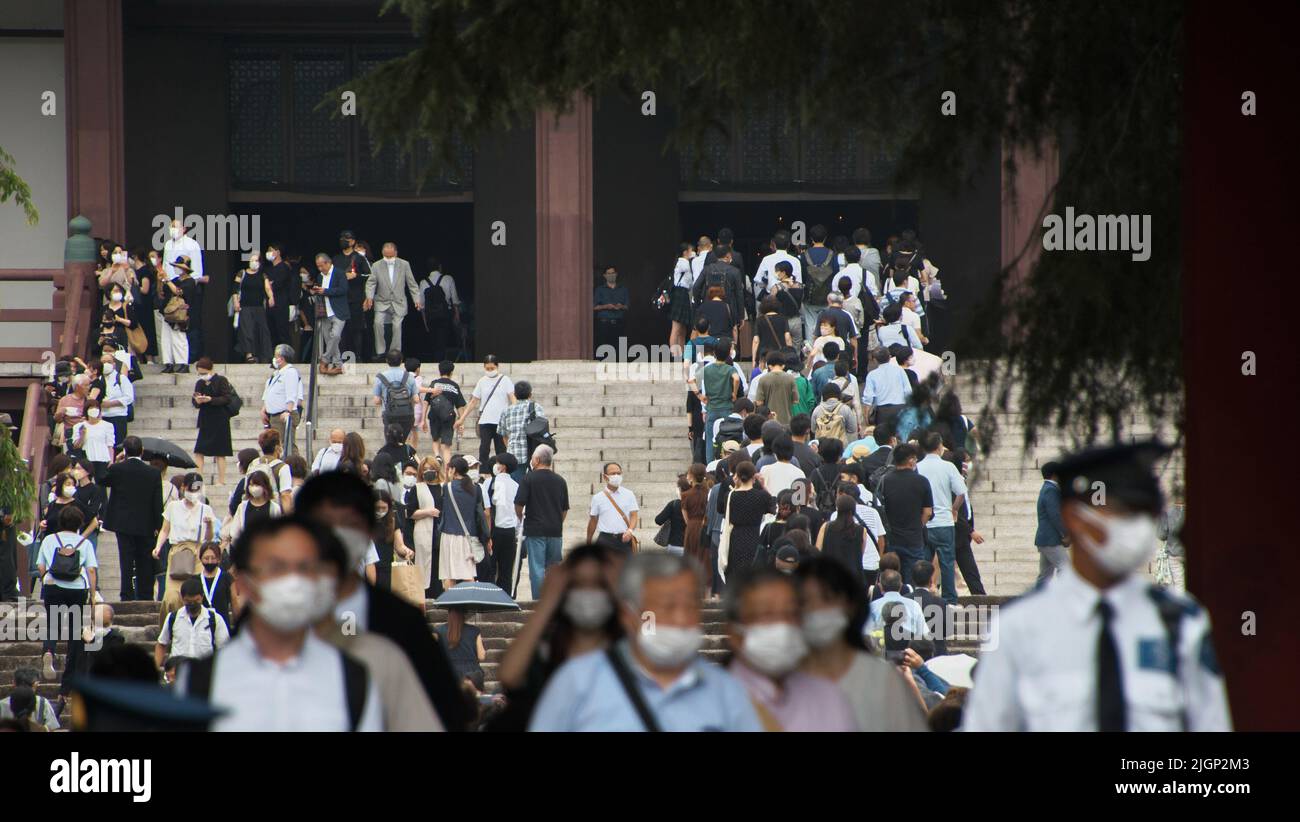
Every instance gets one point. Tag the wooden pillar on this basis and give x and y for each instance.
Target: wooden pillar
(564, 238)
(1022, 208)
(92, 48)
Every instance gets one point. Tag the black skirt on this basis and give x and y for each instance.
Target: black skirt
(679, 305)
(214, 432)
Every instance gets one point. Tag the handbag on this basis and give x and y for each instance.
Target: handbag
(406, 582)
(724, 542)
(635, 543)
(661, 537)
(475, 544)
(176, 311)
(137, 340)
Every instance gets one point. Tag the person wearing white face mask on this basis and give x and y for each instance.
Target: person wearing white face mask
(252, 298)
(614, 513)
(765, 632)
(654, 679)
(280, 312)
(327, 459)
(575, 615)
(346, 504)
(258, 505)
(276, 674)
(1100, 648)
(834, 608)
(212, 393)
(95, 438)
(187, 523)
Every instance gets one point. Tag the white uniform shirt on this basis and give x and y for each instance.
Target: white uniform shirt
(304, 693)
(192, 639)
(188, 523)
(1038, 668)
(608, 520)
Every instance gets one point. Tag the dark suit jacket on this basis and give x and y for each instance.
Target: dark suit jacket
(1051, 528)
(737, 259)
(392, 617)
(337, 293)
(135, 498)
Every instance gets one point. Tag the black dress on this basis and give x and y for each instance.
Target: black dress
(846, 548)
(464, 657)
(720, 317)
(214, 417)
(747, 510)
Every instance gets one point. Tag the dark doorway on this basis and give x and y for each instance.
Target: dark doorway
(754, 223)
(420, 230)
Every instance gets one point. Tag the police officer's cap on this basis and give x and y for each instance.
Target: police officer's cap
(1127, 472)
(109, 704)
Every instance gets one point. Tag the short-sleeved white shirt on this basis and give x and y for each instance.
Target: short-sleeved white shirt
(608, 521)
(99, 440)
(187, 524)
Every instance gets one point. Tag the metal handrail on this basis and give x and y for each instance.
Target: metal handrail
(33, 440)
(313, 388)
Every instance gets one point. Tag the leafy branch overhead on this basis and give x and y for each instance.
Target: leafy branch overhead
(1092, 339)
(13, 187)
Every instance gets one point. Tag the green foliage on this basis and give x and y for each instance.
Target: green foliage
(1094, 336)
(12, 187)
(17, 488)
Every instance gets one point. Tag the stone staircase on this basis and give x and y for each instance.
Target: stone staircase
(635, 415)
(139, 622)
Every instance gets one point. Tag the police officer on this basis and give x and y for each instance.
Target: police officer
(1094, 647)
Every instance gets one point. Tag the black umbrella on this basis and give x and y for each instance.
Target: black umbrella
(477, 596)
(176, 456)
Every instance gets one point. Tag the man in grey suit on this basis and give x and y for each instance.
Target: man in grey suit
(390, 281)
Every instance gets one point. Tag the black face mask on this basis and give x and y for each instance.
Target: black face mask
(430, 477)
(211, 566)
(345, 245)
(193, 610)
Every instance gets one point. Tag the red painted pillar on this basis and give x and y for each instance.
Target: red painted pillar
(92, 54)
(1022, 208)
(564, 243)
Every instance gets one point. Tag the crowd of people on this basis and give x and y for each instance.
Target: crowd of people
(825, 510)
(152, 304)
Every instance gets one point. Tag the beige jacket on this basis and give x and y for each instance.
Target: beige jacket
(406, 705)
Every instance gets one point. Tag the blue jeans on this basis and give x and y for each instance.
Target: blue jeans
(543, 552)
(942, 540)
(907, 557)
(710, 417)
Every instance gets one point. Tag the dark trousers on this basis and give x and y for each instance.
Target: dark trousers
(119, 430)
(135, 559)
(277, 321)
(64, 625)
(353, 333)
(907, 557)
(487, 436)
(608, 333)
(966, 562)
(503, 549)
(887, 414)
(8, 563)
(615, 543)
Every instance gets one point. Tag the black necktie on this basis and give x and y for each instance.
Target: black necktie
(1111, 710)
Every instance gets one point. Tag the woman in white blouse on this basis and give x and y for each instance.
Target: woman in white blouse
(95, 437)
(428, 479)
(187, 524)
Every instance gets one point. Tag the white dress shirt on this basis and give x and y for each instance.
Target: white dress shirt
(304, 693)
(283, 388)
(327, 459)
(183, 246)
(446, 283)
(1038, 667)
(325, 280)
(99, 440)
(117, 387)
(767, 269)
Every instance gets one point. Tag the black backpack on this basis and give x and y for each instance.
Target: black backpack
(66, 567)
(537, 431)
(824, 487)
(212, 625)
(730, 428)
(441, 409)
(435, 301)
(397, 397)
(817, 279)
